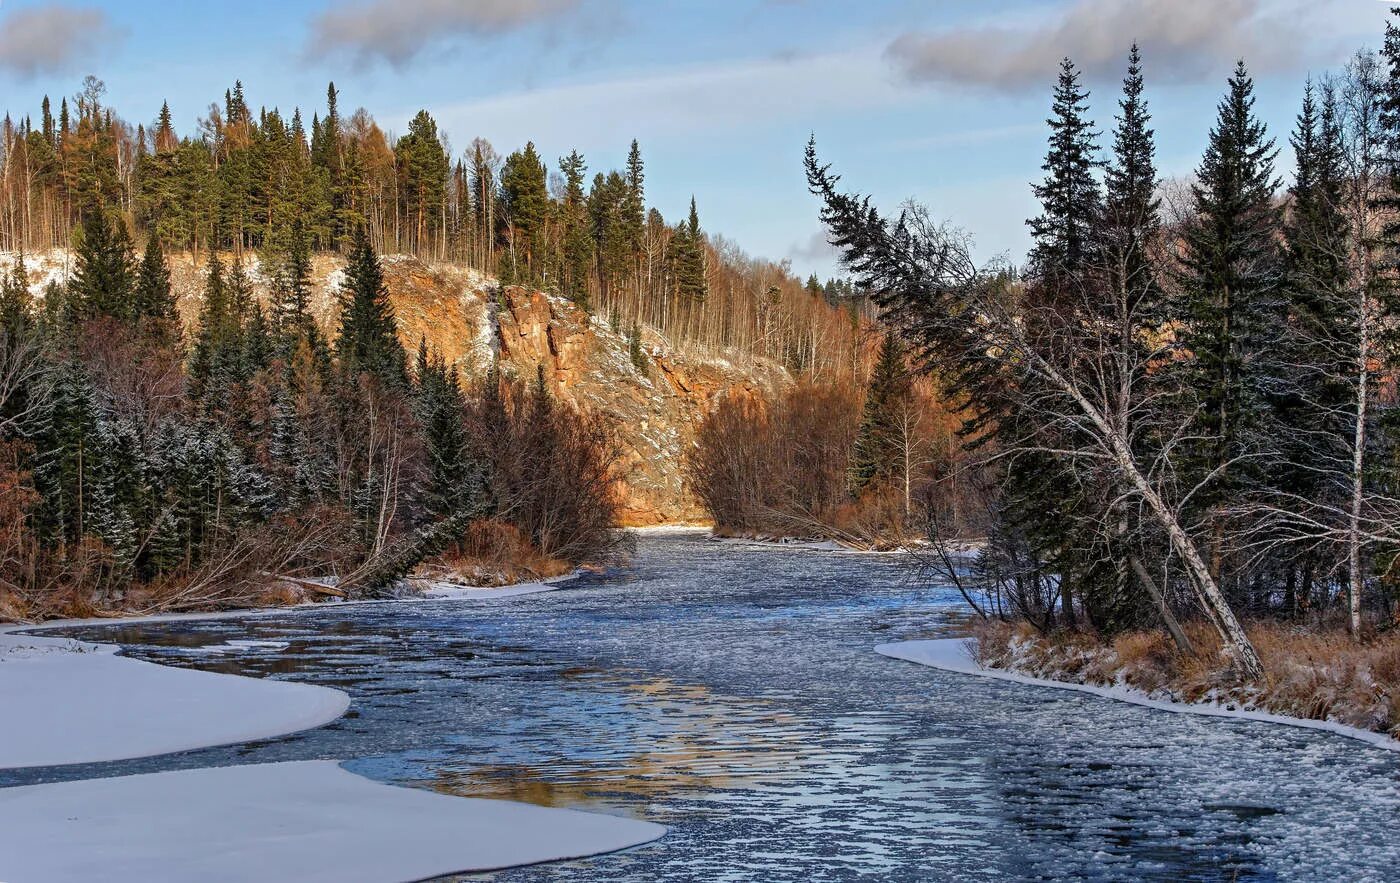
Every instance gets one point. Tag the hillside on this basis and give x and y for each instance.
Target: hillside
(467, 316)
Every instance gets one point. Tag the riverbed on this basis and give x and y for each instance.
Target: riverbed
(731, 693)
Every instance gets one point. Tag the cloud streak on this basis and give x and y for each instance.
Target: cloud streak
(397, 31)
(1183, 41)
(52, 39)
(713, 100)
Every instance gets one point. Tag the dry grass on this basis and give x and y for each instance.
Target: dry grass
(1317, 673)
(493, 553)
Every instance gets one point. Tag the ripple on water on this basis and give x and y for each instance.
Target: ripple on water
(731, 693)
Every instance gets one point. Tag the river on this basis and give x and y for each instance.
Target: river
(731, 693)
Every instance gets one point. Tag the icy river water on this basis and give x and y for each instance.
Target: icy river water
(731, 693)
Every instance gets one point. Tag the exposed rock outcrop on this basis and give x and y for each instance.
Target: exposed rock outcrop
(471, 320)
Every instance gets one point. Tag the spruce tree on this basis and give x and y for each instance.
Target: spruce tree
(15, 301)
(453, 480)
(216, 347)
(1069, 195)
(102, 283)
(1230, 281)
(292, 290)
(875, 457)
(688, 258)
(368, 339)
(1130, 218)
(634, 204)
(155, 301)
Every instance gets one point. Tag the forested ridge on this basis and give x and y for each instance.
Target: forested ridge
(259, 181)
(265, 450)
(1183, 405)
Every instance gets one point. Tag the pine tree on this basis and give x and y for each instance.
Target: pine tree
(578, 238)
(875, 457)
(524, 214)
(1230, 281)
(368, 339)
(425, 169)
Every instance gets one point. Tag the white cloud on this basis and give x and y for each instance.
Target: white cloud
(716, 100)
(1183, 41)
(53, 38)
(396, 31)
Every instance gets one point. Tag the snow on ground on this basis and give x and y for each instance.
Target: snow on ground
(306, 821)
(66, 701)
(957, 655)
(445, 591)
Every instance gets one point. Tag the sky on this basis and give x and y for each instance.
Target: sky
(940, 101)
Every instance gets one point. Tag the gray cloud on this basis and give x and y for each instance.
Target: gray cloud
(50, 39)
(397, 30)
(1181, 40)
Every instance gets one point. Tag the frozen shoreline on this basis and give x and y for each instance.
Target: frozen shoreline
(955, 655)
(306, 821)
(68, 702)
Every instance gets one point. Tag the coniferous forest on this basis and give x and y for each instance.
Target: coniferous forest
(382, 505)
(1183, 406)
(155, 463)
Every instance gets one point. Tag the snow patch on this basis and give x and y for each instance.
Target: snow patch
(444, 591)
(958, 655)
(307, 821)
(67, 702)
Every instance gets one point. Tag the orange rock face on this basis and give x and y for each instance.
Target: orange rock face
(471, 320)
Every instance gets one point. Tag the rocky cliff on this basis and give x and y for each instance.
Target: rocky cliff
(471, 320)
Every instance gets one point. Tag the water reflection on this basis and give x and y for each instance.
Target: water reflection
(732, 695)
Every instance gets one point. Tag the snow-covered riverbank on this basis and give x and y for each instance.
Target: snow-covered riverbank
(70, 702)
(305, 821)
(957, 655)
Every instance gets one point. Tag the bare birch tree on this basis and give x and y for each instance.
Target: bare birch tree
(1071, 384)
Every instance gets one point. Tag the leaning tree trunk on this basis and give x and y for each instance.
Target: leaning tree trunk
(1212, 600)
(375, 577)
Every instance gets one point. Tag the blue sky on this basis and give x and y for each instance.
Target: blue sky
(939, 101)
